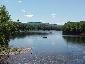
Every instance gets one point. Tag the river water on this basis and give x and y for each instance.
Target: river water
(54, 49)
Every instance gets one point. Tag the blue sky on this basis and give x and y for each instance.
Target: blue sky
(52, 11)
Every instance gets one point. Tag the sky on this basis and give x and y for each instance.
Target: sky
(47, 11)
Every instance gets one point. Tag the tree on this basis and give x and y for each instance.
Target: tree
(74, 27)
(4, 14)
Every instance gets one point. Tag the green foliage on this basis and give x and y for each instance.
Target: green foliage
(74, 27)
(4, 14)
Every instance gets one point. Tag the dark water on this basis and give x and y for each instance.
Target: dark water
(55, 49)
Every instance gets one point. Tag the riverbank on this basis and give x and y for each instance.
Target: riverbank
(14, 51)
(36, 32)
(73, 33)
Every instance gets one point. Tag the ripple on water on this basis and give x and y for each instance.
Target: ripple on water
(49, 59)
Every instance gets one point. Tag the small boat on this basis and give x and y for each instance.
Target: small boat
(44, 37)
(50, 32)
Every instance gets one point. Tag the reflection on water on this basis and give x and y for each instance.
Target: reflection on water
(55, 49)
(4, 44)
(24, 34)
(75, 39)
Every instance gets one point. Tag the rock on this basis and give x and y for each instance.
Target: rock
(15, 51)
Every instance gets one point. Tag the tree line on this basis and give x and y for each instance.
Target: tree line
(74, 28)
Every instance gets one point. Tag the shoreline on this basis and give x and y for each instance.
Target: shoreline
(15, 51)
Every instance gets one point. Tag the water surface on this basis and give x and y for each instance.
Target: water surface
(55, 49)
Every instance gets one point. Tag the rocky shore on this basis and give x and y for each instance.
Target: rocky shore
(14, 51)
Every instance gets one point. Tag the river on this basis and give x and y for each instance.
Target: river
(54, 49)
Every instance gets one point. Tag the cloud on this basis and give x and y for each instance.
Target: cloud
(40, 20)
(19, 1)
(6, 1)
(23, 10)
(53, 15)
(29, 15)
